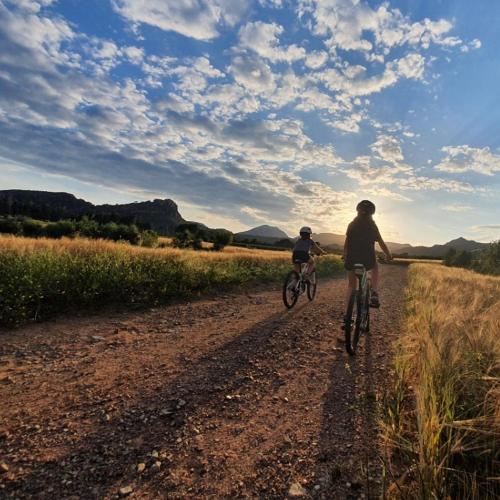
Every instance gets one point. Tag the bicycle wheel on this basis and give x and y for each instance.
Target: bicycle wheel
(290, 292)
(352, 323)
(365, 323)
(311, 286)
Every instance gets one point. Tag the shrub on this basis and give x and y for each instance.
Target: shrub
(188, 235)
(60, 229)
(221, 238)
(88, 228)
(10, 225)
(149, 238)
(33, 228)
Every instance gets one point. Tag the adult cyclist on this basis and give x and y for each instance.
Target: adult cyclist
(359, 248)
(304, 247)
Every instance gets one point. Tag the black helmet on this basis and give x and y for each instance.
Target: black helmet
(366, 207)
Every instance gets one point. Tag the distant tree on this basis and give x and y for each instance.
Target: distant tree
(449, 257)
(462, 259)
(87, 227)
(32, 228)
(61, 228)
(188, 235)
(221, 238)
(488, 261)
(149, 238)
(10, 225)
(284, 243)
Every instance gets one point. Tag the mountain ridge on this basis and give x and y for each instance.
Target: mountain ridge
(161, 214)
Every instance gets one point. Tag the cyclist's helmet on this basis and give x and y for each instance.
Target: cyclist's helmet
(366, 207)
(305, 232)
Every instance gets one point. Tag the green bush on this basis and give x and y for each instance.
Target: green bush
(149, 238)
(489, 260)
(221, 238)
(61, 228)
(33, 228)
(10, 225)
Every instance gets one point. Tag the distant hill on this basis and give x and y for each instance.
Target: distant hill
(440, 250)
(264, 233)
(162, 215)
(336, 242)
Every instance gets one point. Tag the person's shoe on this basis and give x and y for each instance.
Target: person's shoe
(374, 301)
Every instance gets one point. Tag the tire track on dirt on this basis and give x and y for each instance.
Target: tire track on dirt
(230, 396)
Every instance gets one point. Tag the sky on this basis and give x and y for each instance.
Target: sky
(257, 112)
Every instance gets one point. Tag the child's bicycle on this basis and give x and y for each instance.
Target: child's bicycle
(296, 284)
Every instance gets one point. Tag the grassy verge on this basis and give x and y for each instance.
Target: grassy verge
(41, 277)
(442, 422)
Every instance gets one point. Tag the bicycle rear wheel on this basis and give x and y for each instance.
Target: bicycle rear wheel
(365, 323)
(311, 286)
(352, 323)
(290, 292)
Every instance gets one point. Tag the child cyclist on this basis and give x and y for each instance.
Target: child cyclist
(359, 248)
(303, 249)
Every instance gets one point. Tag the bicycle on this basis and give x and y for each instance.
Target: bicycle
(296, 284)
(357, 317)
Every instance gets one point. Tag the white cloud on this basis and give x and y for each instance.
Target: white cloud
(346, 23)
(199, 19)
(262, 38)
(388, 149)
(460, 159)
(316, 59)
(456, 207)
(252, 73)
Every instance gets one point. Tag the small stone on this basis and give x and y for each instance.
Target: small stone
(7, 380)
(156, 465)
(141, 467)
(181, 403)
(317, 487)
(126, 490)
(4, 467)
(296, 490)
(155, 454)
(166, 412)
(97, 338)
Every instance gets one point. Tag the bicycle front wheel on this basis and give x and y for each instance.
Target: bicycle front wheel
(290, 289)
(311, 286)
(352, 323)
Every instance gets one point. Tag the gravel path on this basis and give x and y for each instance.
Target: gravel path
(224, 397)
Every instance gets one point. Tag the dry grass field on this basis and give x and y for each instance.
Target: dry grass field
(40, 277)
(442, 425)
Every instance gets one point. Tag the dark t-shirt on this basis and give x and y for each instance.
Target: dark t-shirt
(362, 233)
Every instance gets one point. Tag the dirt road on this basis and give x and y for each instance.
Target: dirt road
(227, 397)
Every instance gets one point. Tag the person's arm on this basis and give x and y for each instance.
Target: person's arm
(317, 249)
(344, 252)
(384, 247)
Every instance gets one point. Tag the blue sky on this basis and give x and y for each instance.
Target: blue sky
(266, 111)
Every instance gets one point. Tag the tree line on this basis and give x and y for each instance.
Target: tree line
(87, 227)
(486, 261)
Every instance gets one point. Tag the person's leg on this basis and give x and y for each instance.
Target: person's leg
(296, 268)
(352, 283)
(311, 266)
(375, 281)
(375, 277)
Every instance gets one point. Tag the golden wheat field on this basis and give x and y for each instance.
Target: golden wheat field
(442, 424)
(40, 277)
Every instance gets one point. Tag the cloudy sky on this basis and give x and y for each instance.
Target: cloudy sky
(265, 111)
